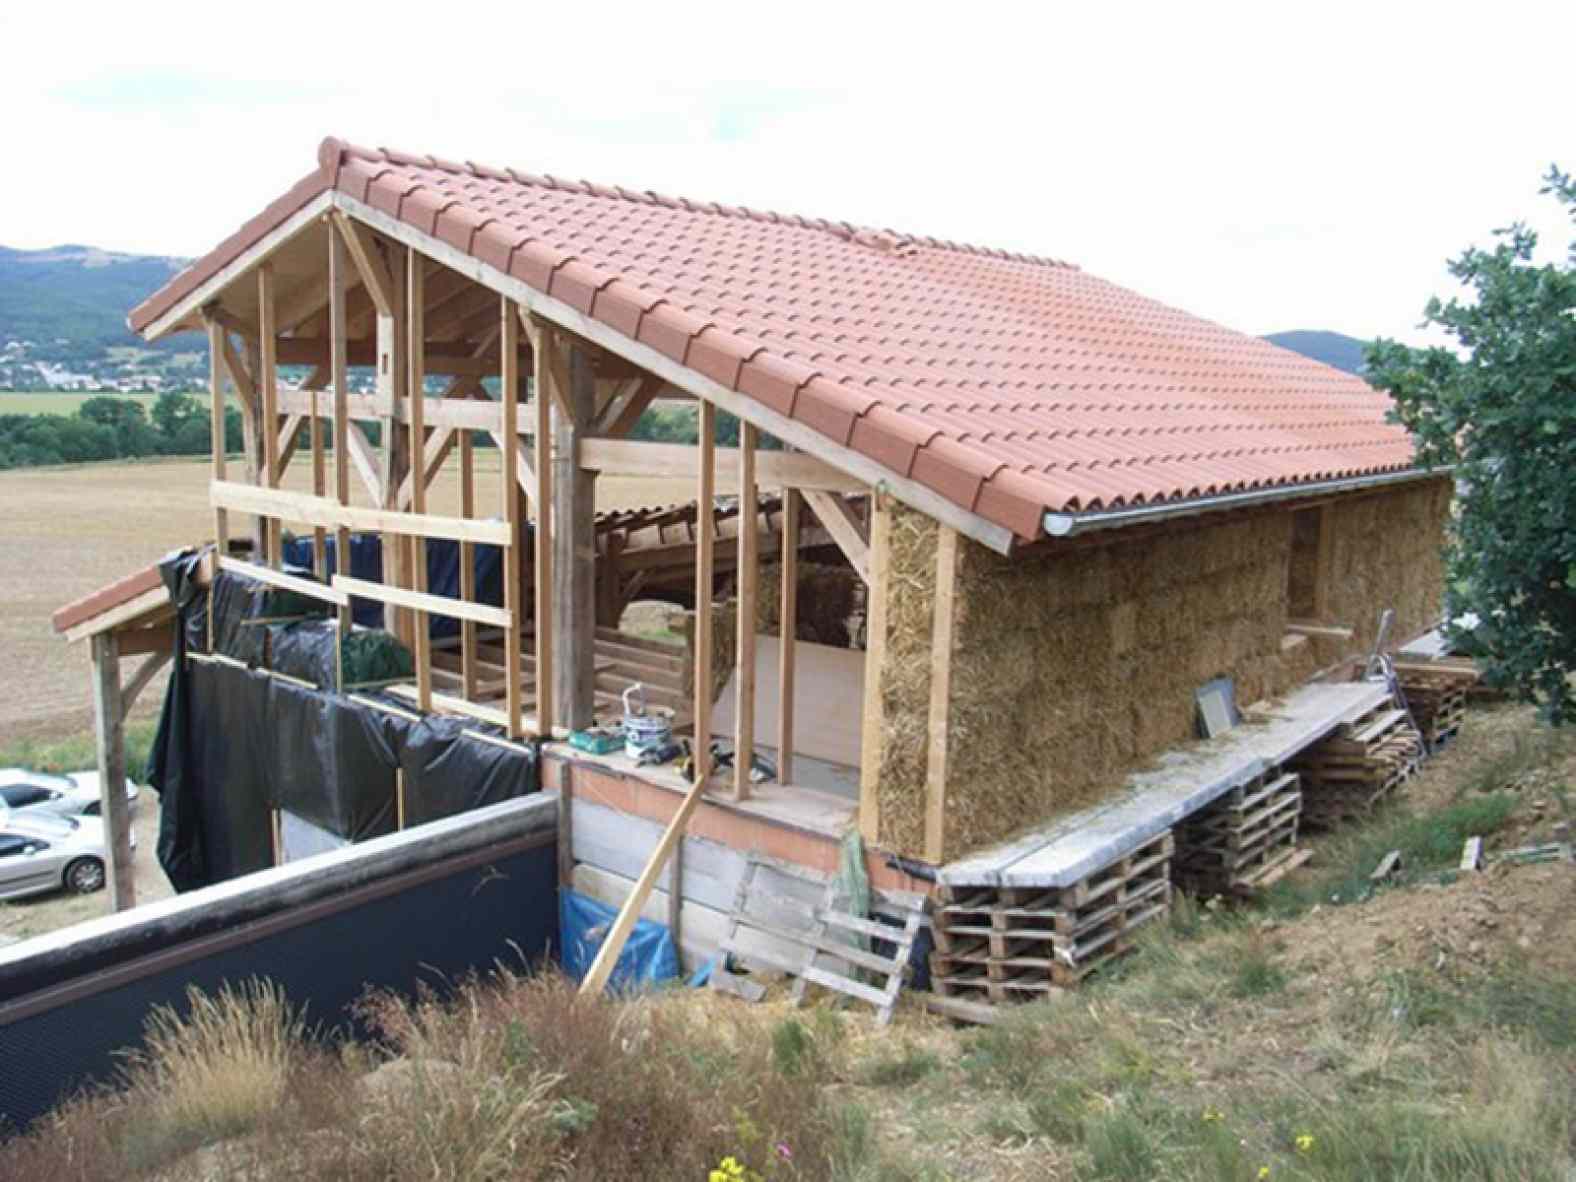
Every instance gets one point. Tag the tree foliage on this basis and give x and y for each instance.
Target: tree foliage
(1501, 408)
(109, 428)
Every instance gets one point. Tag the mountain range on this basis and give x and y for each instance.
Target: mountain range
(63, 325)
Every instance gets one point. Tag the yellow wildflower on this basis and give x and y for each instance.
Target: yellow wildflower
(1304, 1142)
(1264, 1172)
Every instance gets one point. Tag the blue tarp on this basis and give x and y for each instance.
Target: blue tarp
(443, 574)
(649, 957)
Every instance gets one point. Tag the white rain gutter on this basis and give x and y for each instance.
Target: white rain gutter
(1066, 525)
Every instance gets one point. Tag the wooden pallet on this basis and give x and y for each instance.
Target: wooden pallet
(1351, 772)
(1243, 841)
(1438, 706)
(1009, 943)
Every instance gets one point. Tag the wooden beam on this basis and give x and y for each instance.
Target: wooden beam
(744, 613)
(645, 357)
(152, 599)
(423, 601)
(439, 444)
(140, 679)
(416, 442)
(374, 272)
(542, 378)
(245, 390)
(216, 341)
(311, 510)
(705, 496)
(338, 280)
(289, 441)
(153, 638)
(467, 567)
(1321, 631)
(574, 541)
(109, 732)
(509, 383)
(268, 386)
(624, 410)
(834, 513)
(871, 721)
(449, 358)
(319, 488)
(774, 469)
(285, 582)
(360, 452)
(787, 626)
(941, 635)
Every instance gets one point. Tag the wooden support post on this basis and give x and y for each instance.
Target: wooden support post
(744, 614)
(268, 388)
(339, 376)
(543, 345)
(705, 486)
(109, 731)
(941, 628)
(416, 444)
(256, 473)
(468, 566)
(574, 545)
(509, 379)
(319, 488)
(566, 827)
(875, 657)
(391, 385)
(221, 518)
(788, 625)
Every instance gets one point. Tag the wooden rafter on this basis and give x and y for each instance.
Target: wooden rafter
(369, 263)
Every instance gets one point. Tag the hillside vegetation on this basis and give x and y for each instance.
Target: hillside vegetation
(1337, 1031)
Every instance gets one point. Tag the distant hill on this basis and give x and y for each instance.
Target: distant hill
(1332, 348)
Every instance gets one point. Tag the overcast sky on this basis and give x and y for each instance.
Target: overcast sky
(1267, 166)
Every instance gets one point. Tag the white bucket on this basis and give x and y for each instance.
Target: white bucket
(644, 730)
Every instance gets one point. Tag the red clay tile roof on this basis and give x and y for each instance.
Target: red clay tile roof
(1010, 385)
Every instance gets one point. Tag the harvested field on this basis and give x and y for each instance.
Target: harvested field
(72, 529)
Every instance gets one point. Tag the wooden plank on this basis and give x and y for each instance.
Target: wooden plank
(145, 673)
(542, 378)
(312, 510)
(221, 519)
(787, 628)
(319, 488)
(339, 377)
(424, 601)
(268, 383)
(416, 444)
(774, 469)
(875, 656)
(453, 705)
(838, 518)
(1323, 631)
(704, 508)
(149, 601)
(240, 377)
(607, 956)
(367, 463)
(788, 430)
(467, 566)
(748, 584)
(109, 733)
(509, 510)
(285, 582)
(941, 637)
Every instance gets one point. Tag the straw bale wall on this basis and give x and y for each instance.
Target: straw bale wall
(1072, 668)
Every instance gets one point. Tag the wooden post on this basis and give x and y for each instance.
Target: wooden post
(467, 567)
(339, 376)
(319, 487)
(574, 550)
(788, 625)
(109, 731)
(744, 614)
(875, 657)
(221, 517)
(509, 380)
(542, 349)
(268, 393)
(416, 449)
(941, 629)
(705, 488)
(252, 434)
(391, 384)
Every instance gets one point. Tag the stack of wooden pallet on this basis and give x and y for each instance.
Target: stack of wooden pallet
(1438, 698)
(1244, 841)
(1347, 774)
(1017, 943)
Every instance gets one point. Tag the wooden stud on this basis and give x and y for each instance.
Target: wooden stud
(941, 635)
(509, 380)
(467, 566)
(542, 345)
(416, 441)
(319, 488)
(340, 380)
(744, 612)
(705, 482)
(109, 728)
(399, 795)
(221, 519)
(788, 624)
(574, 540)
(268, 381)
(875, 657)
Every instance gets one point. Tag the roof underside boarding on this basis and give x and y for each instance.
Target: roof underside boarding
(1009, 385)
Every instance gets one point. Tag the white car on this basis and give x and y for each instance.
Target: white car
(28, 793)
(41, 853)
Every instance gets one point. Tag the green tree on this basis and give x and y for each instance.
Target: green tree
(126, 421)
(172, 413)
(1501, 409)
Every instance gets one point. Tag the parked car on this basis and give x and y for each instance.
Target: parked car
(40, 853)
(76, 795)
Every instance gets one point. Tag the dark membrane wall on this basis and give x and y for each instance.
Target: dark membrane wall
(235, 743)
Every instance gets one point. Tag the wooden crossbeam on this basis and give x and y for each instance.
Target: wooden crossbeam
(245, 390)
(364, 457)
(285, 582)
(314, 510)
(774, 469)
(424, 601)
(625, 407)
(840, 522)
(374, 272)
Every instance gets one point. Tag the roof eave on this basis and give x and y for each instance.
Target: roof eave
(1067, 525)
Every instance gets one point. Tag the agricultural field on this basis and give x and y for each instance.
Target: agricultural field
(72, 529)
(59, 402)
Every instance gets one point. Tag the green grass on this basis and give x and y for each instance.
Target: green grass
(77, 753)
(58, 402)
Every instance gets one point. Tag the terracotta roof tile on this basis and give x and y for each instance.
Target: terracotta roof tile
(1011, 385)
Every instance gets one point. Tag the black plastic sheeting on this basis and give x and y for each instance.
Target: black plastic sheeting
(235, 743)
(443, 573)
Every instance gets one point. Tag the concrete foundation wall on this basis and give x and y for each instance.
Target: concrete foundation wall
(1072, 668)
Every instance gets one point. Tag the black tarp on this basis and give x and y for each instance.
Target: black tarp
(234, 743)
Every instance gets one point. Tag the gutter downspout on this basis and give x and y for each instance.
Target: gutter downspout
(1066, 525)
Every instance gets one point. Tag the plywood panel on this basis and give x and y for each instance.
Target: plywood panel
(828, 700)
